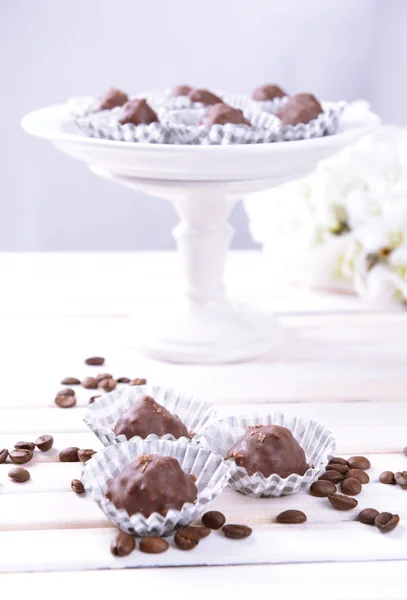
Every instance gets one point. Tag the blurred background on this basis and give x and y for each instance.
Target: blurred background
(51, 50)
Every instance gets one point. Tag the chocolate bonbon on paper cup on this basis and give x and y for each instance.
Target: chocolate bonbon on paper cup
(128, 480)
(249, 444)
(148, 411)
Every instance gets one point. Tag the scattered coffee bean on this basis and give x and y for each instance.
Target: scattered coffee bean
(66, 392)
(65, 400)
(322, 489)
(188, 538)
(236, 532)
(123, 544)
(386, 522)
(69, 454)
(337, 467)
(93, 398)
(25, 446)
(44, 442)
(123, 380)
(77, 486)
(342, 502)
(213, 519)
(291, 517)
(359, 462)
(70, 381)
(401, 478)
(368, 515)
(332, 476)
(108, 384)
(95, 361)
(362, 476)
(338, 460)
(90, 383)
(138, 381)
(387, 477)
(153, 545)
(103, 376)
(19, 475)
(351, 486)
(20, 457)
(3, 455)
(85, 455)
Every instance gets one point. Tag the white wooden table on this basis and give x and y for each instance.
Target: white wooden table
(340, 364)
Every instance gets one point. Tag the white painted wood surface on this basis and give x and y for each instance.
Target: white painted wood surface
(340, 364)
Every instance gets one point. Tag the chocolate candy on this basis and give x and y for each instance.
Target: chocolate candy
(220, 114)
(137, 112)
(269, 449)
(301, 108)
(204, 96)
(112, 98)
(146, 416)
(152, 483)
(180, 90)
(268, 92)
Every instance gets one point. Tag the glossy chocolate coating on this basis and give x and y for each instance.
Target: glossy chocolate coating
(137, 112)
(269, 449)
(152, 483)
(301, 108)
(220, 114)
(111, 99)
(268, 92)
(180, 90)
(205, 96)
(146, 416)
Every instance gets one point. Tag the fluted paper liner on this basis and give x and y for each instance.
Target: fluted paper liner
(211, 471)
(104, 413)
(317, 441)
(327, 123)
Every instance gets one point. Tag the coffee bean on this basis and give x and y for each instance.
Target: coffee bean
(153, 545)
(123, 544)
(70, 381)
(93, 398)
(20, 457)
(362, 476)
(338, 460)
(332, 476)
(291, 517)
(213, 519)
(236, 532)
(90, 383)
(337, 467)
(138, 381)
(322, 489)
(44, 442)
(3, 455)
(95, 361)
(108, 384)
(123, 380)
(103, 376)
(77, 486)
(65, 400)
(25, 446)
(187, 538)
(85, 455)
(359, 462)
(368, 515)
(386, 522)
(401, 478)
(19, 475)
(387, 477)
(66, 392)
(69, 454)
(351, 486)
(342, 502)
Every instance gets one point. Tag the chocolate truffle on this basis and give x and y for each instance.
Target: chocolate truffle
(268, 92)
(219, 114)
(146, 416)
(137, 111)
(111, 99)
(301, 108)
(204, 96)
(152, 483)
(269, 449)
(180, 90)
